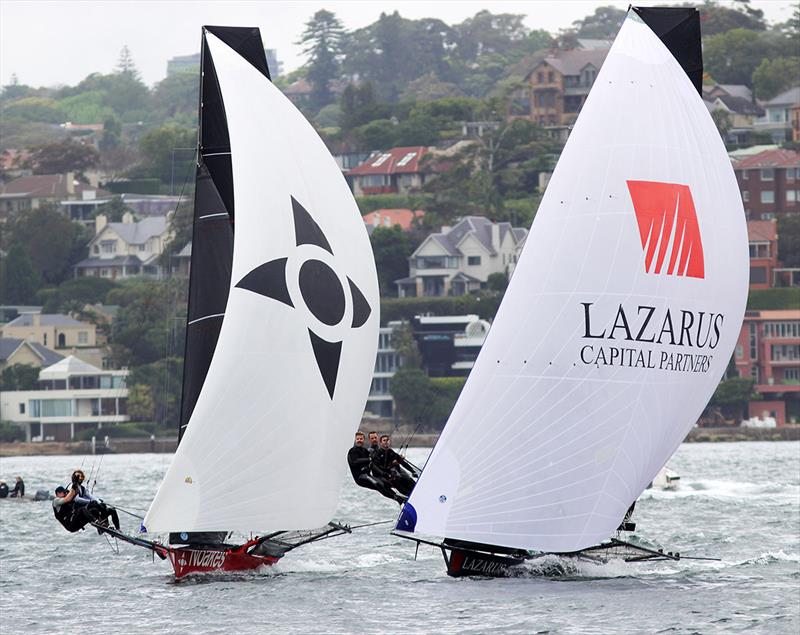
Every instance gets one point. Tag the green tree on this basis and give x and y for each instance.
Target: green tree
(19, 280)
(63, 156)
(162, 379)
(19, 377)
(84, 290)
(141, 406)
(392, 248)
(773, 76)
(603, 24)
(41, 109)
(322, 44)
(497, 282)
(52, 241)
(733, 56)
(720, 19)
(112, 134)
(114, 209)
(165, 158)
(359, 106)
(732, 396)
(175, 98)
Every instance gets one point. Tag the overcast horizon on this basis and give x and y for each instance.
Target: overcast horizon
(84, 36)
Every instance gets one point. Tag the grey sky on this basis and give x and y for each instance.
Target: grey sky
(51, 42)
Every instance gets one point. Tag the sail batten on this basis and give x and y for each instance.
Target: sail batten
(617, 325)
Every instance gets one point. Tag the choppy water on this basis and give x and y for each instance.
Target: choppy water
(739, 502)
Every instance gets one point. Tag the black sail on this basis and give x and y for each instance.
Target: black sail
(679, 29)
(214, 208)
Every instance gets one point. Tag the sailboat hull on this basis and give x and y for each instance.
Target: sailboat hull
(187, 561)
(462, 562)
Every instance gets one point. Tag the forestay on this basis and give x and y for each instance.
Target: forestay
(619, 321)
(292, 367)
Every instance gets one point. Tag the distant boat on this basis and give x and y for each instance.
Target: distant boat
(282, 328)
(618, 323)
(666, 479)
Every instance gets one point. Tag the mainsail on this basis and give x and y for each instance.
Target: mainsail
(283, 320)
(619, 321)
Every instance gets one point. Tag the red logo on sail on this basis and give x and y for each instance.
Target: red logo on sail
(668, 228)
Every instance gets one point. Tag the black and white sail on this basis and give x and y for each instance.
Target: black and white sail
(283, 313)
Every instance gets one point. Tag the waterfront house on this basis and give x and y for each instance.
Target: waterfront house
(461, 258)
(127, 249)
(768, 352)
(72, 397)
(769, 182)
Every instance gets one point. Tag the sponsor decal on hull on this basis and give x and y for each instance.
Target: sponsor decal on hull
(187, 561)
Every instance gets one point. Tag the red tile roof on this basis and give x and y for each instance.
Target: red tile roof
(779, 158)
(762, 230)
(391, 217)
(394, 161)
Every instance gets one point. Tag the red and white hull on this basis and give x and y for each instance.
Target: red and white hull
(186, 561)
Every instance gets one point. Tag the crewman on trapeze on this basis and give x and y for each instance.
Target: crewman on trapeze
(76, 507)
(359, 459)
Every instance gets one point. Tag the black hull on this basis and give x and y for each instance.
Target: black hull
(467, 563)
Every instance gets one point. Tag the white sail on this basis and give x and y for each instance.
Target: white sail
(619, 321)
(292, 368)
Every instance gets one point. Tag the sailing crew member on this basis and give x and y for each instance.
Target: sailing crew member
(19, 488)
(359, 459)
(373, 443)
(95, 508)
(3, 489)
(388, 465)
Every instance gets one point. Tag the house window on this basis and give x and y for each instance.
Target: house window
(789, 375)
(759, 250)
(767, 174)
(83, 337)
(142, 247)
(62, 340)
(746, 196)
(551, 77)
(540, 77)
(745, 175)
(108, 246)
(758, 275)
(104, 273)
(753, 343)
(768, 196)
(22, 408)
(791, 196)
(790, 174)
(739, 351)
(96, 249)
(473, 260)
(44, 337)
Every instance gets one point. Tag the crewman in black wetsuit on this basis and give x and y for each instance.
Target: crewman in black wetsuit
(373, 443)
(358, 458)
(388, 465)
(3, 489)
(19, 488)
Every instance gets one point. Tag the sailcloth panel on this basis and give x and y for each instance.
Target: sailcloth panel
(264, 449)
(619, 321)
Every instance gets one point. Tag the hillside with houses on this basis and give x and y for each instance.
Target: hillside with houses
(447, 136)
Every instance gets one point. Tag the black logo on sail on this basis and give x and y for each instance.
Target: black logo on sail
(320, 287)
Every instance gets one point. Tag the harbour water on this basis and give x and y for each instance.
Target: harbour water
(739, 502)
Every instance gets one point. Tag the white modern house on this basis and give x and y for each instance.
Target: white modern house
(127, 249)
(776, 120)
(460, 259)
(73, 396)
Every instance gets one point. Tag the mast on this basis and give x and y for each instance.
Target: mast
(213, 217)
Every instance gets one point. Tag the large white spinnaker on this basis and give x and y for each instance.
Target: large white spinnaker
(292, 367)
(619, 321)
